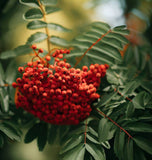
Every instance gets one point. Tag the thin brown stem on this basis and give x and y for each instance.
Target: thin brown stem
(85, 132)
(122, 95)
(78, 61)
(114, 123)
(45, 20)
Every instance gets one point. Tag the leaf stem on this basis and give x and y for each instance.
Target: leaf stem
(5, 85)
(45, 20)
(78, 61)
(129, 136)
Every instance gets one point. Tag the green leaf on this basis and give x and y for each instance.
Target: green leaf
(59, 41)
(101, 25)
(130, 88)
(147, 86)
(30, 3)
(106, 144)
(1, 75)
(130, 109)
(21, 50)
(52, 134)
(139, 154)
(57, 27)
(130, 150)
(73, 142)
(37, 37)
(112, 78)
(1, 141)
(106, 99)
(42, 136)
(4, 100)
(92, 138)
(80, 155)
(49, 2)
(138, 101)
(10, 74)
(94, 151)
(120, 27)
(144, 144)
(139, 127)
(33, 13)
(72, 154)
(121, 143)
(121, 31)
(119, 37)
(10, 131)
(104, 131)
(32, 133)
(36, 24)
(50, 9)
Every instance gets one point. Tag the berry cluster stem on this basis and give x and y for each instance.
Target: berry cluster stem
(78, 61)
(46, 29)
(114, 123)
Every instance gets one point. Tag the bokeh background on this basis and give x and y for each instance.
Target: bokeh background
(75, 14)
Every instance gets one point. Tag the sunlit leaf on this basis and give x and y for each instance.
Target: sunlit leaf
(36, 24)
(37, 37)
(30, 3)
(50, 9)
(57, 27)
(59, 41)
(33, 13)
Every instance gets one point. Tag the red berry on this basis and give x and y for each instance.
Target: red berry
(34, 46)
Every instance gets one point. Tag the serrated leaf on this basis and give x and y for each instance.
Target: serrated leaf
(36, 24)
(30, 3)
(120, 27)
(106, 99)
(106, 144)
(57, 27)
(42, 136)
(32, 133)
(9, 131)
(92, 131)
(10, 74)
(144, 144)
(72, 154)
(94, 151)
(139, 127)
(73, 142)
(1, 141)
(1, 75)
(21, 50)
(50, 9)
(37, 37)
(49, 2)
(112, 78)
(33, 13)
(4, 100)
(104, 130)
(59, 41)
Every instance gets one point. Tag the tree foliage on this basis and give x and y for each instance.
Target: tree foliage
(120, 123)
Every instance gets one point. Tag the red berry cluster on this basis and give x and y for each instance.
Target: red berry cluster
(57, 93)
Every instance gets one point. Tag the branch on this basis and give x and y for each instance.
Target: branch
(46, 29)
(80, 58)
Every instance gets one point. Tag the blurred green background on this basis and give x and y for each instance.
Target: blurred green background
(75, 14)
